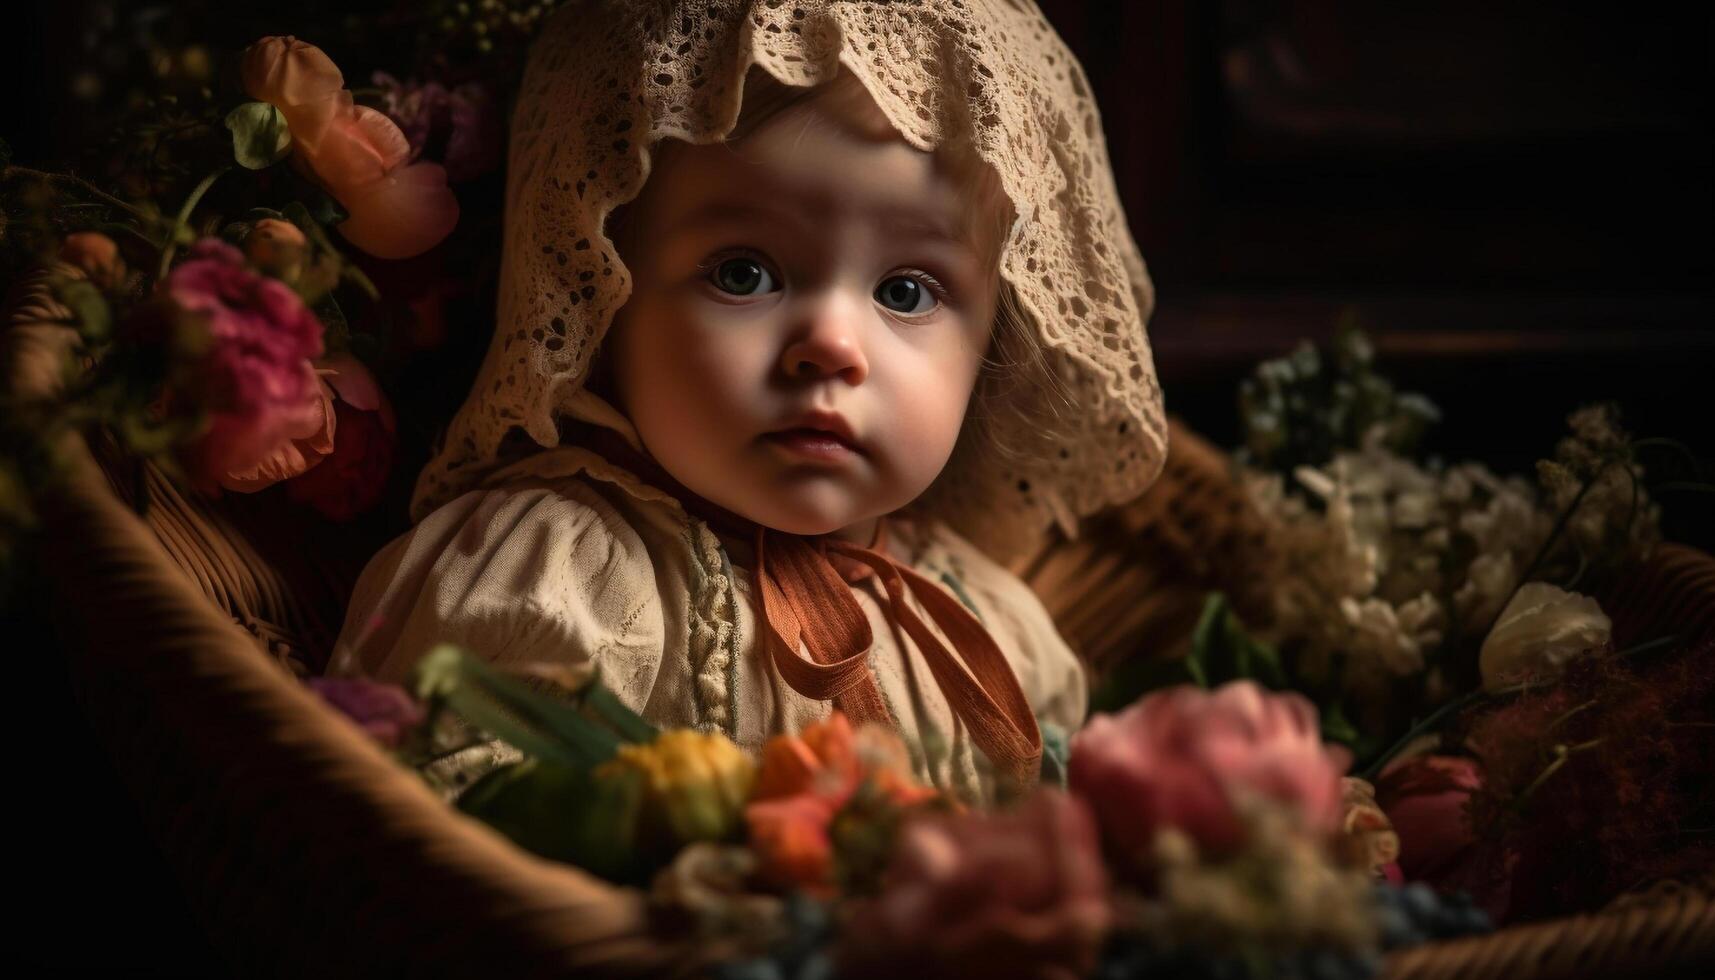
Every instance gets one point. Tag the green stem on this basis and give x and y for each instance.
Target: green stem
(1562, 753)
(1549, 542)
(1647, 646)
(1429, 724)
(183, 217)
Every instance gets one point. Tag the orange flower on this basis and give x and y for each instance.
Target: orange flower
(803, 782)
(396, 209)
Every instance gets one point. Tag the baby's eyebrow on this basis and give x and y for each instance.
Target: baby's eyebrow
(895, 221)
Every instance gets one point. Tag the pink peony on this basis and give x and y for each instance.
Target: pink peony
(1017, 894)
(397, 209)
(385, 711)
(351, 479)
(1186, 758)
(251, 373)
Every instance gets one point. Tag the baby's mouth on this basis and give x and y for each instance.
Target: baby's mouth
(817, 444)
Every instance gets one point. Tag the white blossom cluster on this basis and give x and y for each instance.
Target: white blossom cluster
(1396, 560)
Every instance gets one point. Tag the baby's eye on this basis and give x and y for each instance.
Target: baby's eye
(743, 277)
(904, 294)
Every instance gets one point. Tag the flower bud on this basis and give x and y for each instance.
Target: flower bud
(97, 256)
(278, 248)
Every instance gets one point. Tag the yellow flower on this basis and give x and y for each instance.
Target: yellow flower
(694, 786)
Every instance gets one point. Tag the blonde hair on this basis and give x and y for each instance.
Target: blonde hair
(1013, 371)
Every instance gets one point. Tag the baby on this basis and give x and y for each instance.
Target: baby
(803, 351)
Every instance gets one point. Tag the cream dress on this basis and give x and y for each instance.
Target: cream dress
(566, 558)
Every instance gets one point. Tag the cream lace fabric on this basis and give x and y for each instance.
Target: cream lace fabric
(608, 79)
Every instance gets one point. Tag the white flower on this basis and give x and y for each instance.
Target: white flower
(1541, 629)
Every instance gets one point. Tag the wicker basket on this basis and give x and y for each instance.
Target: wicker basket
(303, 848)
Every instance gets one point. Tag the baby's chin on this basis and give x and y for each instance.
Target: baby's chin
(810, 513)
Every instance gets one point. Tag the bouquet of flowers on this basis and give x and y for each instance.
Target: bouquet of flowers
(1200, 831)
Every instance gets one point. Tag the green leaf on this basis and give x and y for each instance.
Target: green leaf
(565, 814)
(1134, 678)
(1222, 651)
(94, 318)
(336, 332)
(260, 137)
(581, 729)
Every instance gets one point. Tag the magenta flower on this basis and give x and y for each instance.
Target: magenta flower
(1019, 893)
(251, 372)
(385, 711)
(1187, 758)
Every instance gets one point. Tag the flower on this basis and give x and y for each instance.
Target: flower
(805, 780)
(396, 208)
(97, 256)
(461, 123)
(694, 786)
(1539, 631)
(278, 248)
(351, 478)
(385, 711)
(249, 370)
(1190, 759)
(1019, 893)
(1366, 831)
(1424, 799)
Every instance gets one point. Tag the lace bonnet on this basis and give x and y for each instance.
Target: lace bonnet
(606, 80)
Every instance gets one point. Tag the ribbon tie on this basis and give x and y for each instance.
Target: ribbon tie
(806, 600)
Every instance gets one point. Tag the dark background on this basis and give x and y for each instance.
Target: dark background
(1514, 199)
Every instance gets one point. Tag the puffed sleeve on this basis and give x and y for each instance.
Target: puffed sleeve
(514, 575)
(1051, 675)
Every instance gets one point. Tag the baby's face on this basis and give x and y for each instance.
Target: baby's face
(816, 276)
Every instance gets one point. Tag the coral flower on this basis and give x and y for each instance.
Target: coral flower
(803, 782)
(396, 208)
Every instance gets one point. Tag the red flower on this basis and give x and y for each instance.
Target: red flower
(352, 477)
(1017, 894)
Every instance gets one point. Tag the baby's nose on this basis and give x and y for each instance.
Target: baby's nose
(827, 342)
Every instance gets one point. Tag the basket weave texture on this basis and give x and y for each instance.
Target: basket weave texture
(303, 847)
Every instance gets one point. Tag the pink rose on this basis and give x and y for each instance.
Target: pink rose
(385, 711)
(352, 478)
(396, 209)
(251, 370)
(1186, 758)
(1019, 893)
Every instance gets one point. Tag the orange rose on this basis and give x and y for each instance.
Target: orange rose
(396, 209)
